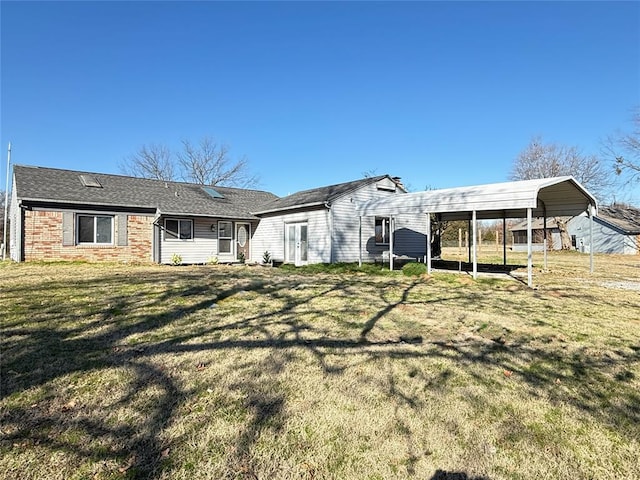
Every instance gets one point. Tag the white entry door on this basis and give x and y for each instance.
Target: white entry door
(296, 243)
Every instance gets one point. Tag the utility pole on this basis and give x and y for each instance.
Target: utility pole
(6, 206)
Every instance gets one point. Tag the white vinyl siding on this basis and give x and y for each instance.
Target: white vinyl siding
(204, 246)
(408, 236)
(606, 238)
(200, 249)
(270, 235)
(333, 235)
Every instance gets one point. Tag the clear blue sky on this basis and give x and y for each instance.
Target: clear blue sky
(440, 94)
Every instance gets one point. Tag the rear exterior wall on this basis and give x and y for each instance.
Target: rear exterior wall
(270, 235)
(409, 232)
(43, 240)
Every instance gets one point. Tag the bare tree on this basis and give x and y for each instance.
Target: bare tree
(208, 163)
(624, 149)
(150, 161)
(540, 160)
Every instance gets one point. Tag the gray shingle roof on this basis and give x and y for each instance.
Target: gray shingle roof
(624, 217)
(50, 185)
(317, 196)
(536, 224)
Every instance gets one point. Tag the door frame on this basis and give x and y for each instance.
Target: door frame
(296, 258)
(235, 241)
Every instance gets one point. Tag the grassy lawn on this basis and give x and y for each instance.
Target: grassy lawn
(112, 372)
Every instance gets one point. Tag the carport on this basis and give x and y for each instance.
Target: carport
(544, 197)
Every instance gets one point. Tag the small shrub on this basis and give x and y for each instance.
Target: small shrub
(212, 260)
(266, 257)
(414, 269)
(176, 259)
(241, 257)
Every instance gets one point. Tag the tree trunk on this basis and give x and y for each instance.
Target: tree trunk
(565, 238)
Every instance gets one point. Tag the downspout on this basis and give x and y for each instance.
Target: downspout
(360, 241)
(156, 238)
(20, 232)
(330, 213)
(591, 238)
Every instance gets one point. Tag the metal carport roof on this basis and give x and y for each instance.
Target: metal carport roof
(547, 197)
(544, 197)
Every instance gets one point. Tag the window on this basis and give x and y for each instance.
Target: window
(382, 230)
(95, 229)
(520, 236)
(175, 229)
(225, 235)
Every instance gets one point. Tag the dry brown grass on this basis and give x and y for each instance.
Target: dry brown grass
(244, 373)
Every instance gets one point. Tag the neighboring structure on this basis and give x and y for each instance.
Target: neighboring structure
(322, 225)
(616, 229)
(519, 233)
(70, 215)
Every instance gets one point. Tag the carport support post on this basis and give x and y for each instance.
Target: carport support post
(360, 241)
(529, 250)
(469, 244)
(428, 230)
(390, 243)
(474, 237)
(504, 238)
(591, 238)
(544, 244)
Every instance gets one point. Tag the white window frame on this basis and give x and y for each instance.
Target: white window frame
(230, 237)
(168, 238)
(95, 217)
(386, 228)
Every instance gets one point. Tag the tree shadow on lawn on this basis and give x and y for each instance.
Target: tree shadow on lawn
(55, 342)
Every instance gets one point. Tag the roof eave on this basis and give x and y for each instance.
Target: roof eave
(293, 207)
(65, 203)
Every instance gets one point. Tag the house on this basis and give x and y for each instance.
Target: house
(322, 225)
(519, 232)
(70, 215)
(616, 229)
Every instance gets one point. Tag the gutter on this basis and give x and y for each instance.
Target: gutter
(294, 207)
